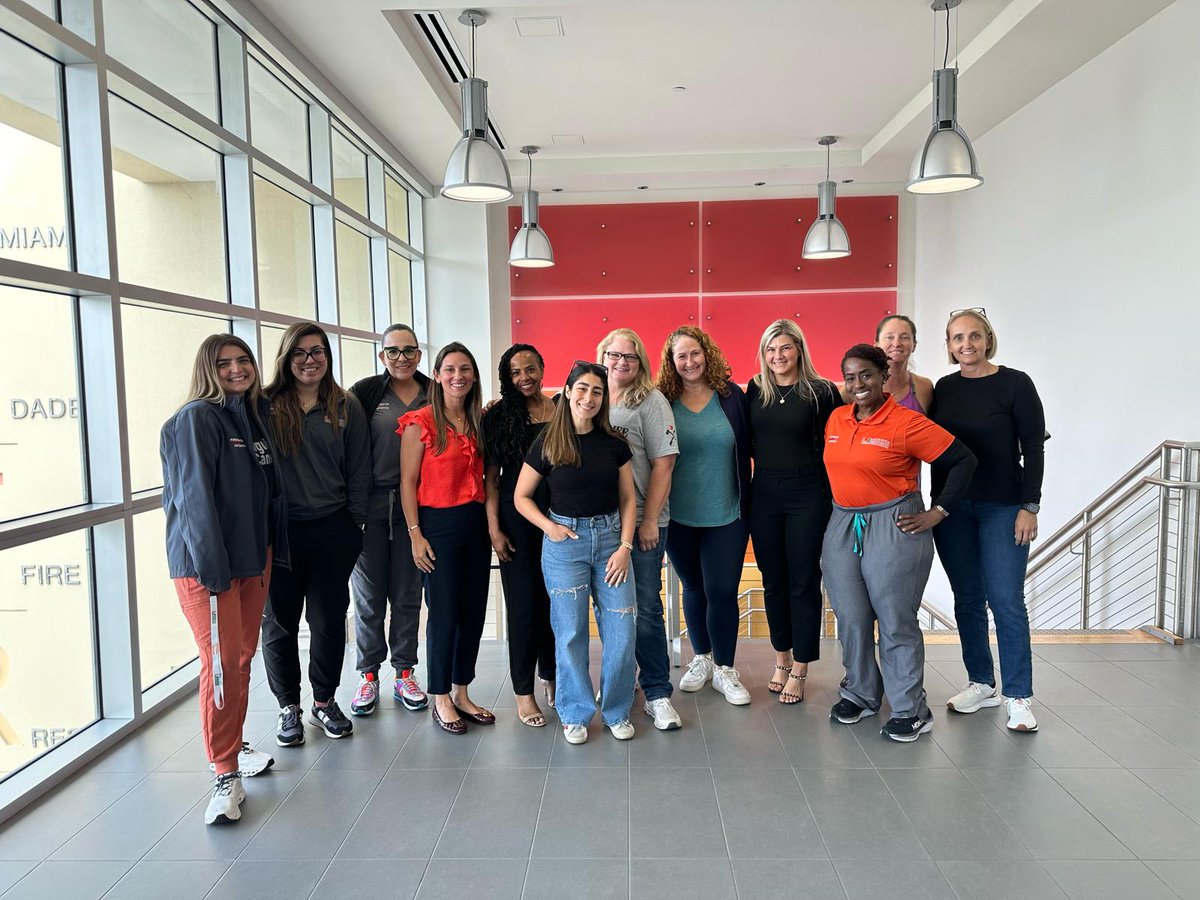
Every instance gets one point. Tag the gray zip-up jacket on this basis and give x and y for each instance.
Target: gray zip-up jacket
(223, 509)
(330, 470)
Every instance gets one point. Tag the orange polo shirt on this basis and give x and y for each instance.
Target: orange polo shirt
(879, 458)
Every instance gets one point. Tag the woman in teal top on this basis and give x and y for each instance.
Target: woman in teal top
(706, 538)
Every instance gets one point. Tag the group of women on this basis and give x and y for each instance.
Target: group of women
(280, 496)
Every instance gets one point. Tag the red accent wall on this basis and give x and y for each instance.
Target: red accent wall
(731, 267)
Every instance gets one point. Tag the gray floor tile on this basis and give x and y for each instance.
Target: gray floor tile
(777, 879)
(1143, 821)
(1178, 724)
(979, 740)
(874, 879)
(601, 749)
(314, 819)
(259, 730)
(1113, 683)
(949, 652)
(1064, 652)
(1126, 652)
(76, 879)
(888, 754)
(298, 760)
(13, 870)
(1054, 687)
(680, 748)
(741, 736)
(428, 747)
(1000, 880)
(155, 743)
(405, 816)
(1181, 787)
(152, 880)
(268, 879)
(50, 822)
(1050, 822)
(1056, 744)
(1111, 880)
(1124, 739)
(395, 879)
(584, 814)
(595, 879)
(454, 879)
(1180, 875)
(373, 746)
(813, 741)
(757, 803)
(493, 817)
(857, 815)
(1175, 678)
(695, 879)
(511, 744)
(661, 801)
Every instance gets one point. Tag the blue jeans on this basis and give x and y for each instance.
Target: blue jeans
(574, 569)
(986, 567)
(651, 649)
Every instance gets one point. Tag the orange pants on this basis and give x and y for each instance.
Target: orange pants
(239, 618)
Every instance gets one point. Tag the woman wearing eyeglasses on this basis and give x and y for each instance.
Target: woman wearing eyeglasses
(325, 460)
(710, 503)
(385, 577)
(589, 536)
(984, 544)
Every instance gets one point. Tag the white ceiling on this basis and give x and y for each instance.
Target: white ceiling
(764, 79)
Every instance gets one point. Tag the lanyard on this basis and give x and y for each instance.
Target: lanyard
(218, 675)
(860, 530)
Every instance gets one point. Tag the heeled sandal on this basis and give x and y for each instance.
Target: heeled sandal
(787, 698)
(548, 687)
(775, 686)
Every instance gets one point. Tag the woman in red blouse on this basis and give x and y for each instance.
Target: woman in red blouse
(441, 492)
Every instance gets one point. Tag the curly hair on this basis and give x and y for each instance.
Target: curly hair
(868, 353)
(716, 368)
(504, 424)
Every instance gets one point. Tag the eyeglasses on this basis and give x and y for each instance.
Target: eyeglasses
(955, 313)
(593, 368)
(394, 353)
(301, 356)
(614, 356)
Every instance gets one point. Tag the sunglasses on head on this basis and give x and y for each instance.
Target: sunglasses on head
(589, 366)
(955, 313)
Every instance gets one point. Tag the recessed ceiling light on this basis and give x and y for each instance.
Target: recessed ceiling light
(539, 26)
(567, 138)
(556, 190)
(847, 181)
(680, 88)
(643, 187)
(759, 183)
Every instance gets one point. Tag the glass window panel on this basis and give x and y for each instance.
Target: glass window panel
(271, 337)
(349, 173)
(400, 288)
(164, 640)
(33, 227)
(41, 433)
(160, 349)
(45, 6)
(171, 43)
(278, 119)
(396, 202)
(45, 620)
(283, 234)
(167, 192)
(354, 278)
(359, 360)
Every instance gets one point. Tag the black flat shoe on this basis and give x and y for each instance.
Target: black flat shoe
(458, 726)
(483, 718)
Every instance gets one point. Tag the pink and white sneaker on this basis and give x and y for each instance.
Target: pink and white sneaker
(408, 691)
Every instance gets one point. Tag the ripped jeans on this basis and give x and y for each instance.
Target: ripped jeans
(574, 571)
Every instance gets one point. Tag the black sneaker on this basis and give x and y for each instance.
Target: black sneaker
(291, 730)
(907, 729)
(332, 719)
(848, 712)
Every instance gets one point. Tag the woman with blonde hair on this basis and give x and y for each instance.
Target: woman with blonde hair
(710, 503)
(896, 336)
(790, 498)
(226, 520)
(642, 414)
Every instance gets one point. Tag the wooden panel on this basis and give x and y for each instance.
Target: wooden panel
(831, 322)
(566, 330)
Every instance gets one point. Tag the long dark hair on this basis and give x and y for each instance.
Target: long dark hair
(286, 415)
(506, 420)
(437, 399)
(560, 446)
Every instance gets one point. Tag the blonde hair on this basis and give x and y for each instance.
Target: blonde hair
(633, 395)
(205, 384)
(988, 331)
(716, 367)
(765, 379)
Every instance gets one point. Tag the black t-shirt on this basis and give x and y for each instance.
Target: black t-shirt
(590, 489)
(790, 435)
(1000, 419)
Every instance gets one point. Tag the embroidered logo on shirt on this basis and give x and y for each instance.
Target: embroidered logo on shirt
(623, 432)
(670, 435)
(833, 438)
(237, 443)
(877, 442)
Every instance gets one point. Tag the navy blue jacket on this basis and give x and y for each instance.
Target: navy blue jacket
(737, 411)
(222, 510)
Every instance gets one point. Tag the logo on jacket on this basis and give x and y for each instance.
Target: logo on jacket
(877, 442)
(237, 443)
(670, 435)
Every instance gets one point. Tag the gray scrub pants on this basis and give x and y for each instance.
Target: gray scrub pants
(875, 572)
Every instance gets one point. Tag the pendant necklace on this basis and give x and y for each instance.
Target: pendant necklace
(783, 392)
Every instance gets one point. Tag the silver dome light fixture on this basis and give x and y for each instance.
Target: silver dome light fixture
(946, 162)
(530, 248)
(827, 238)
(476, 172)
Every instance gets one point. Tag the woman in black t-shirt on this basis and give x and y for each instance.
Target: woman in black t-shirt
(589, 538)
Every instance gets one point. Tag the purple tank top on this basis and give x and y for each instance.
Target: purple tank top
(910, 399)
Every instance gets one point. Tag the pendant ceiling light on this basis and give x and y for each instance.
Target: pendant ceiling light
(946, 162)
(530, 248)
(476, 171)
(827, 238)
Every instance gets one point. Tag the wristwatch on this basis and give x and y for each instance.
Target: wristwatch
(1034, 508)
(942, 510)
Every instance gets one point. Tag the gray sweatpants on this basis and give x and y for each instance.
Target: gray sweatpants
(883, 580)
(386, 576)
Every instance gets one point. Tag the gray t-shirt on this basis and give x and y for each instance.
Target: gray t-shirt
(650, 430)
(385, 443)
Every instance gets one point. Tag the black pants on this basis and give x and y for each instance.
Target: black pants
(788, 515)
(709, 562)
(318, 583)
(456, 592)
(530, 638)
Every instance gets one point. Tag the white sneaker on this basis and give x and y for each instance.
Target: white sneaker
(663, 713)
(974, 696)
(251, 762)
(226, 803)
(699, 673)
(726, 681)
(575, 734)
(1020, 716)
(622, 730)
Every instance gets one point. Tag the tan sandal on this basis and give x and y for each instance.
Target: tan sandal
(533, 720)
(787, 698)
(776, 686)
(548, 686)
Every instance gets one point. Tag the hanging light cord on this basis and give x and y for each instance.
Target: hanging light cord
(473, 44)
(529, 156)
(945, 58)
(827, 151)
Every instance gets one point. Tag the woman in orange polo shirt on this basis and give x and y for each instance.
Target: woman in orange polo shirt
(878, 549)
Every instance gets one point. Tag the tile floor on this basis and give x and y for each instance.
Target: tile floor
(753, 802)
